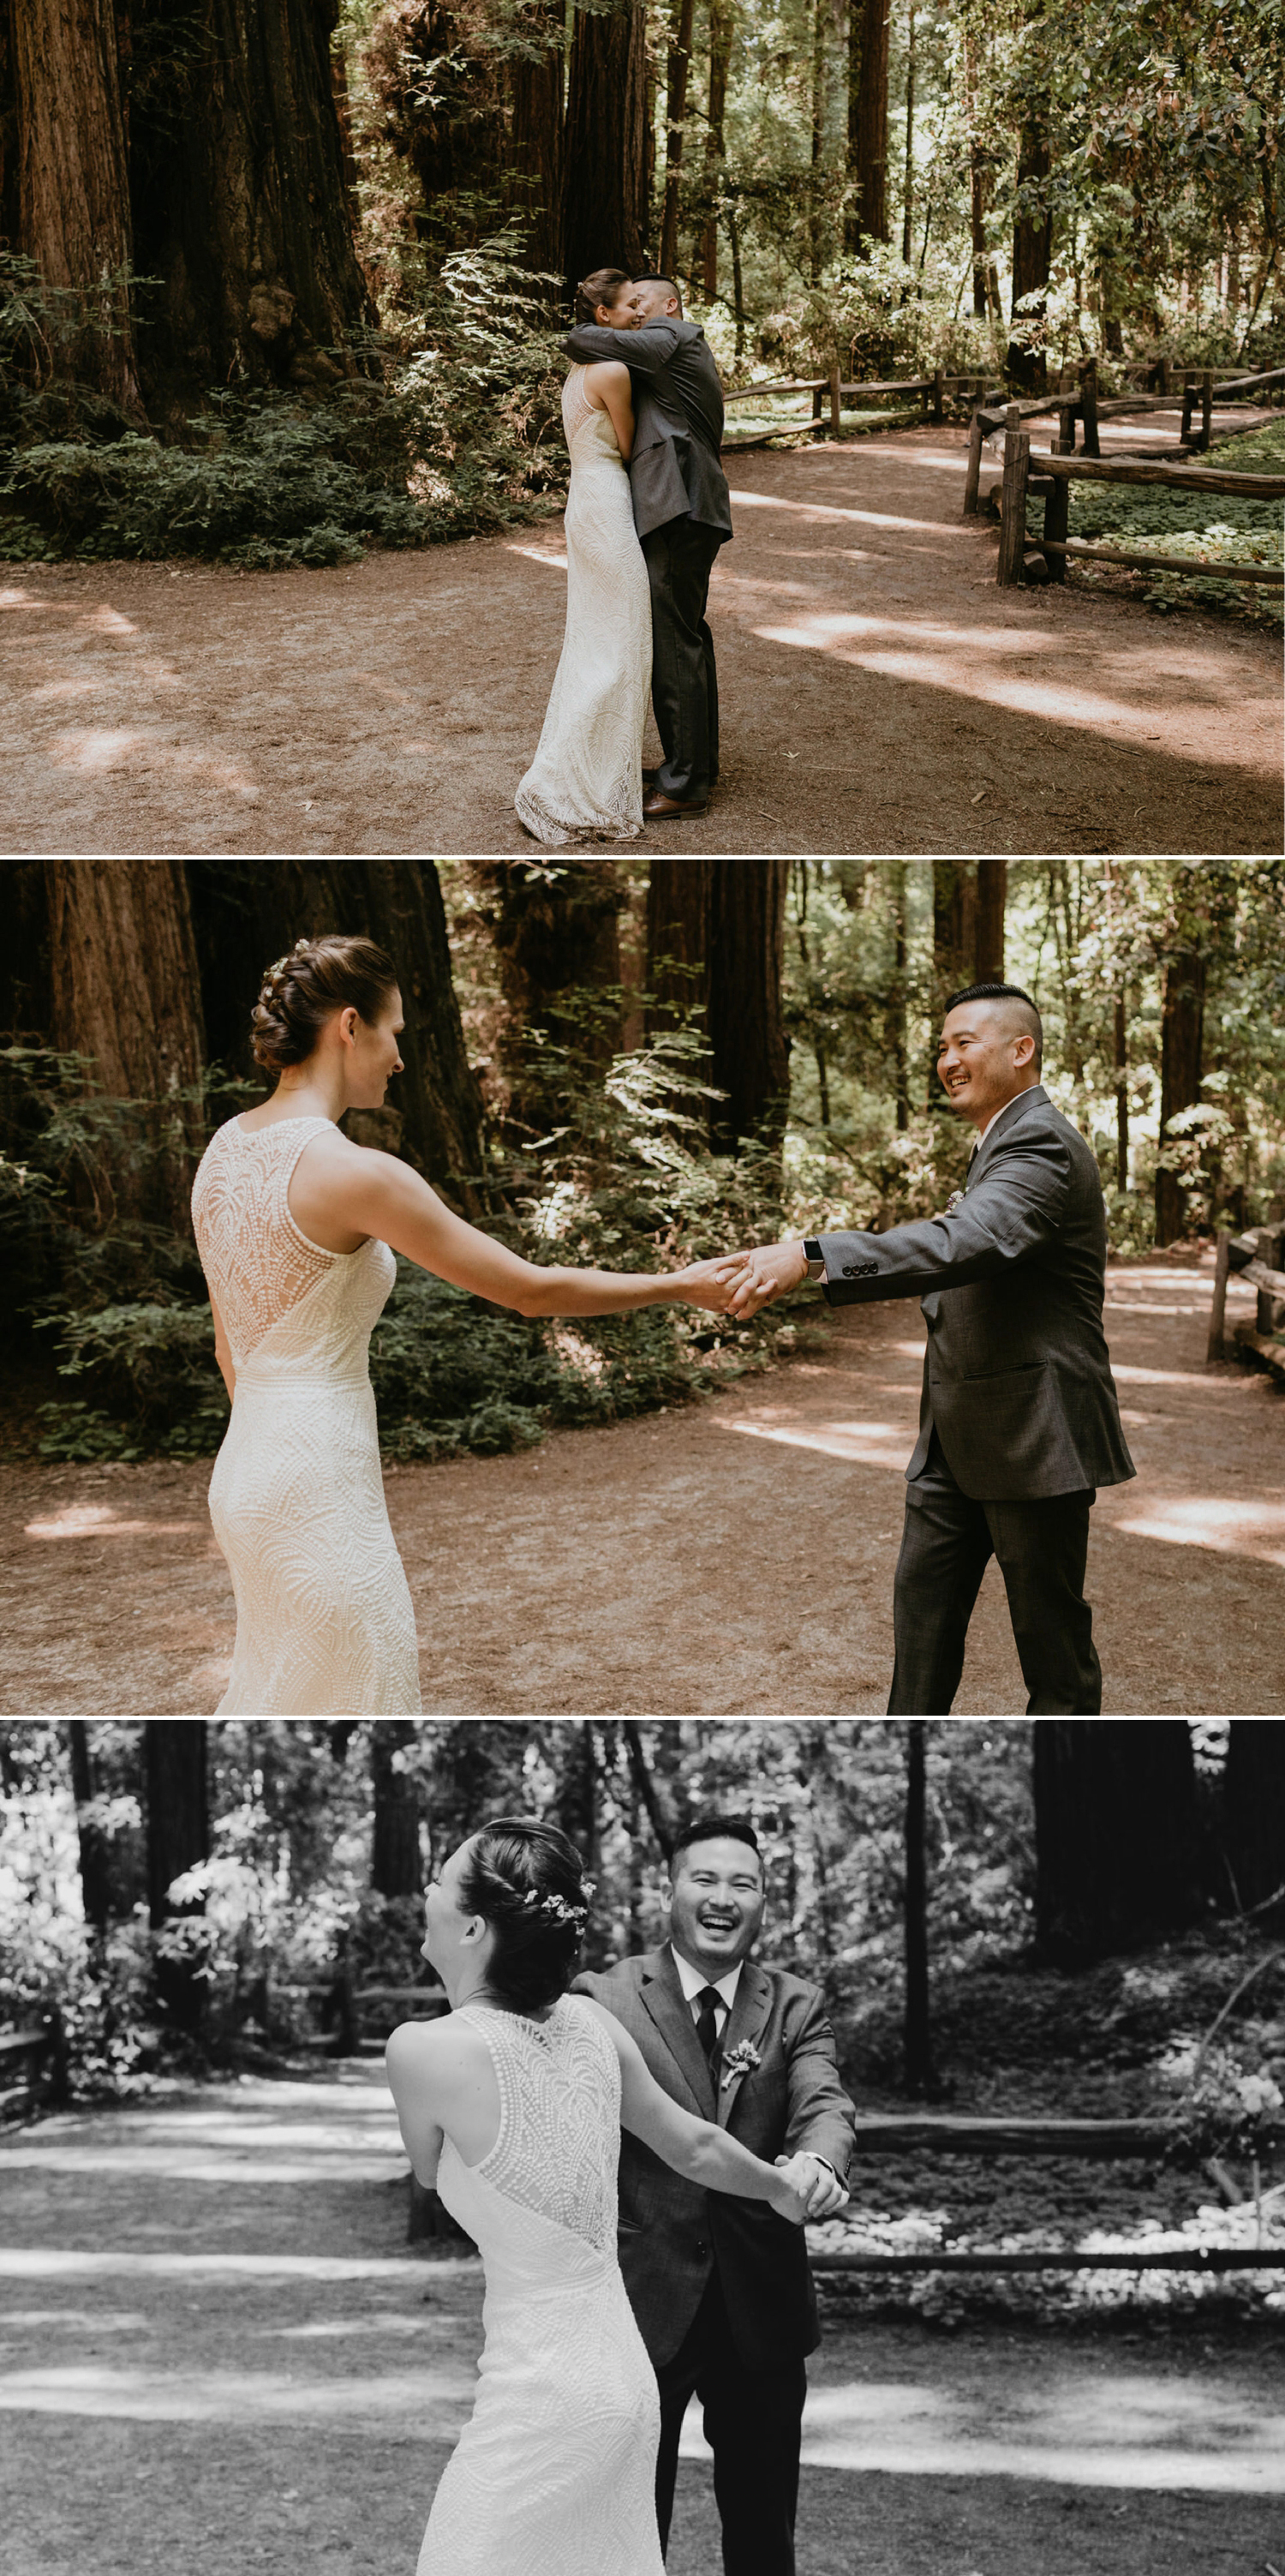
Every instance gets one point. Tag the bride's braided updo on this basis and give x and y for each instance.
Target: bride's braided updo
(602, 287)
(526, 1879)
(300, 991)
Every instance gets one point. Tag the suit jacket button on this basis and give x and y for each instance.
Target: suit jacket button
(701, 2246)
(852, 1270)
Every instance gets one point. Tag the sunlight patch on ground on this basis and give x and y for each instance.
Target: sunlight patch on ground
(1197, 1520)
(98, 1520)
(332, 2328)
(857, 1441)
(830, 510)
(61, 2263)
(183, 2166)
(106, 621)
(1180, 1377)
(103, 747)
(238, 2397)
(538, 554)
(1147, 2433)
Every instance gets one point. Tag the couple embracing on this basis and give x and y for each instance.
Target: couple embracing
(634, 2153)
(647, 511)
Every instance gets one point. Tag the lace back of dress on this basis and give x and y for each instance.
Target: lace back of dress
(252, 1252)
(559, 2140)
(576, 406)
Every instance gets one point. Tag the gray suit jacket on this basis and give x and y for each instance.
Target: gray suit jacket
(674, 472)
(671, 2232)
(1017, 1377)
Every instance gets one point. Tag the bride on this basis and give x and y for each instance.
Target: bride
(296, 1229)
(586, 778)
(512, 2106)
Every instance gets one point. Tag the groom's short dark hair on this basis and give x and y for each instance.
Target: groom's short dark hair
(1003, 993)
(711, 1828)
(649, 279)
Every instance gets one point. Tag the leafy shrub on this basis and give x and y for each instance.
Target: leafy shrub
(1225, 529)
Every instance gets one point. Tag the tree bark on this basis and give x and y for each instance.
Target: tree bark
(248, 911)
(395, 1865)
(954, 927)
(241, 208)
(678, 914)
(1032, 247)
(126, 991)
(95, 1850)
(818, 138)
(536, 144)
(750, 1050)
(178, 1839)
(1182, 1017)
(680, 52)
(721, 29)
(908, 206)
(556, 933)
(604, 200)
(918, 2030)
(870, 168)
(992, 888)
(1254, 1794)
(73, 178)
(1115, 1834)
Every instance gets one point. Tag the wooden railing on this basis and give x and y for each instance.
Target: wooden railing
(1054, 474)
(1257, 1259)
(931, 391)
(32, 2065)
(994, 413)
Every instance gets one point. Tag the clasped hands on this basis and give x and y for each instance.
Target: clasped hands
(741, 1283)
(817, 2191)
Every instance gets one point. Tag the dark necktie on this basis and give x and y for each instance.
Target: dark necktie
(709, 2000)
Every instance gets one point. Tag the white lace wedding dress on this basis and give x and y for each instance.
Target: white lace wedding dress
(586, 778)
(554, 2473)
(324, 1624)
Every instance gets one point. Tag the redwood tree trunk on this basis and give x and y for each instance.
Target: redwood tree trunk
(604, 188)
(240, 207)
(954, 927)
(1182, 1019)
(918, 2029)
(747, 1031)
(1032, 248)
(678, 911)
(869, 161)
(992, 888)
(1115, 1833)
(1254, 1790)
(395, 1865)
(95, 1850)
(178, 1839)
(126, 992)
(680, 52)
(73, 177)
(537, 145)
(556, 933)
(721, 24)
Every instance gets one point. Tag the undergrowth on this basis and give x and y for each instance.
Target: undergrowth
(1223, 529)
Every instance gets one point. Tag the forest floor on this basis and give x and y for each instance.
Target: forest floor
(157, 2258)
(879, 692)
(733, 1557)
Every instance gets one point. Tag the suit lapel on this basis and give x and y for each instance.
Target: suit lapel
(746, 2021)
(1009, 1117)
(664, 1999)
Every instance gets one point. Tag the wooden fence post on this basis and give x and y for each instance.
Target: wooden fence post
(973, 476)
(1206, 407)
(1188, 397)
(939, 394)
(1218, 1310)
(1065, 430)
(1057, 519)
(1089, 406)
(1012, 529)
(836, 399)
(817, 391)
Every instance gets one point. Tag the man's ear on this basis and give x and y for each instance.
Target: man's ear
(667, 1894)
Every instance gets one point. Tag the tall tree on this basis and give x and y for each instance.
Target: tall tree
(721, 30)
(1182, 1021)
(1254, 1794)
(1032, 244)
(604, 148)
(678, 65)
(248, 911)
(241, 206)
(396, 1868)
(954, 926)
(908, 193)
(918, 2028)
(868, 127)
(73, 180)
(536, 139)
(178, 1840)
(992, 888)
(556, 929)
(126, 991)
(678, 903)
(95, 1850)
(1115, 1833)
(750, 1050)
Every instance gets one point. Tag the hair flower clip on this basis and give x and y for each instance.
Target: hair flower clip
(739, 2061)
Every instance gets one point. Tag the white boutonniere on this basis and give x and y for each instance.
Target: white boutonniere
(956, 1200)
(739, 2061)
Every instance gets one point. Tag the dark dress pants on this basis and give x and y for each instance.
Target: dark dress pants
(684, 684)
(753, 2422)
(1041, 1548)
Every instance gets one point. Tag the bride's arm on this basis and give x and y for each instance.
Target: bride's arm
(608, 388)
(356, 1188)
(410, 2071)
(697, 2149)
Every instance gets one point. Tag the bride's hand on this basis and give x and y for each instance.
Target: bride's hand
(786, 2198)
(710, 1283)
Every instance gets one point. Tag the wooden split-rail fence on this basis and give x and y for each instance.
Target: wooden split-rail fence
(1258, 1259)
(1053, 475)
(831, 392)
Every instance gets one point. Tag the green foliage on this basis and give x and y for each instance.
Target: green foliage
(1225, 529)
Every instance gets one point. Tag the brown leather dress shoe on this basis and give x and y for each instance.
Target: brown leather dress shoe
(658, 808)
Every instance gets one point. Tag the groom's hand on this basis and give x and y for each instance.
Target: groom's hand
(819, 2189)
(773, 1267)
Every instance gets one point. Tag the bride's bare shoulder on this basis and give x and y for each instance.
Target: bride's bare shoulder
(605, 376)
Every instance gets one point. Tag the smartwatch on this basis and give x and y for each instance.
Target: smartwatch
(815, 1259)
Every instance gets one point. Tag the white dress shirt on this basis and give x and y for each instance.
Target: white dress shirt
(694, 1981)
(998, 1113)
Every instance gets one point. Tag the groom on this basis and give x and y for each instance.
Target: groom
(682, 513)
(721, 2287)
(1019, 1421)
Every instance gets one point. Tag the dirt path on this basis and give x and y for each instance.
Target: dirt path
(731, 1559)
(217, 2352)
(879, 692)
